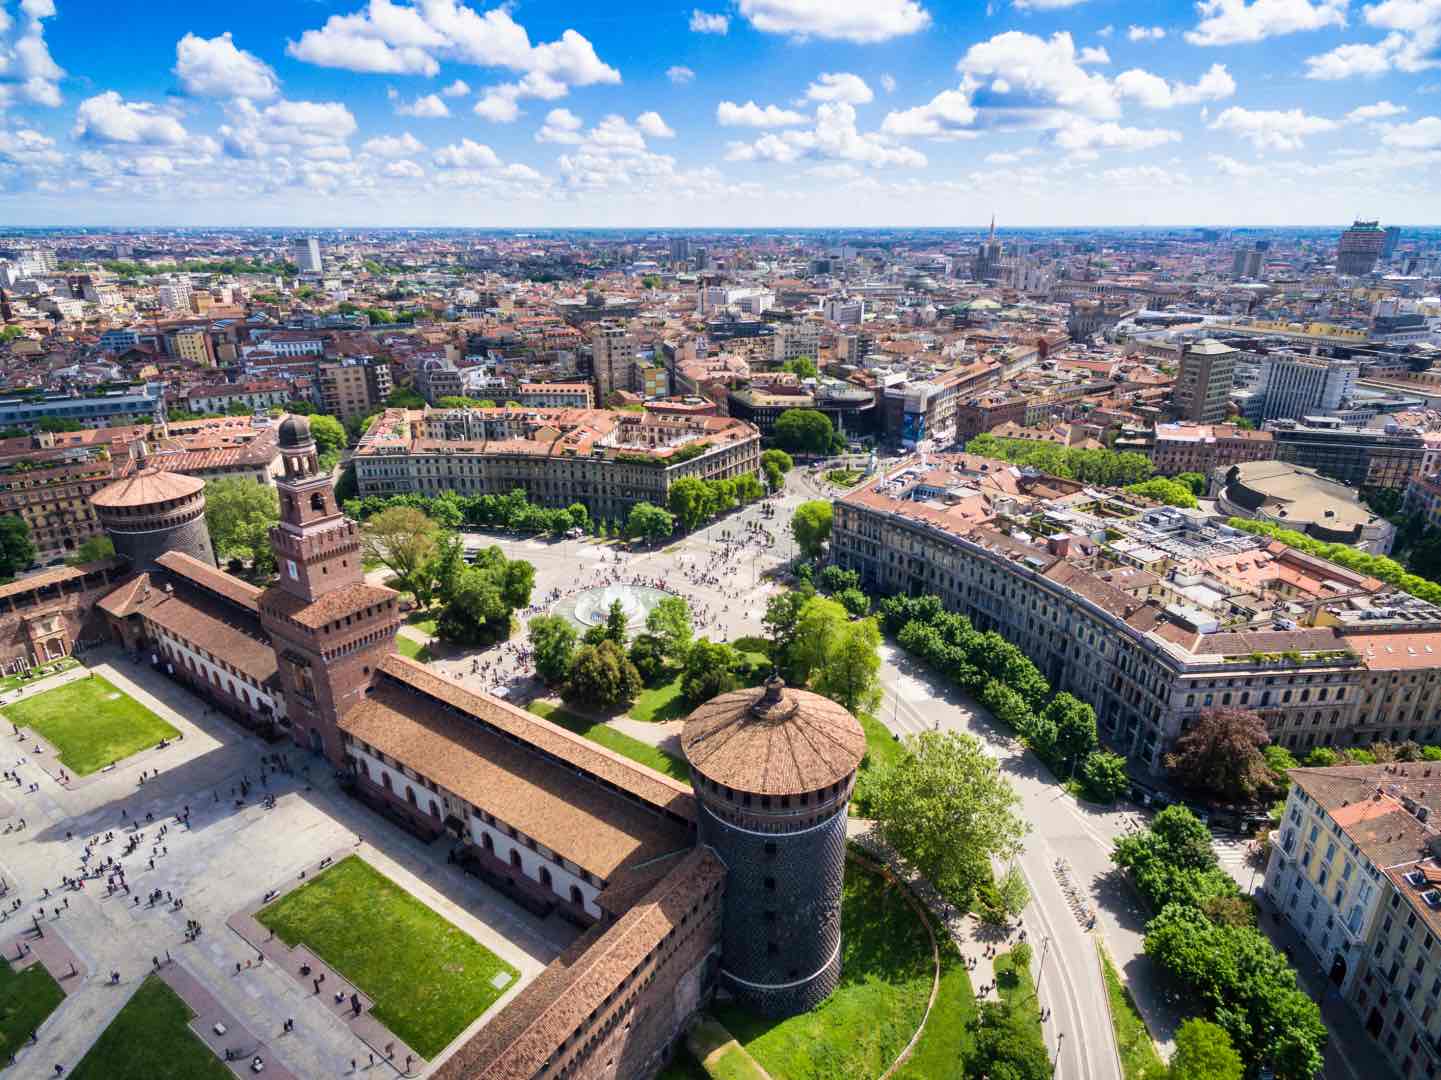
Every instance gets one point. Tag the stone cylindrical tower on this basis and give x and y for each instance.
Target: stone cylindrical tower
(773, 770)
(153, 512)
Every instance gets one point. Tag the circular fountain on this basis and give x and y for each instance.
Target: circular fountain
(591, 606)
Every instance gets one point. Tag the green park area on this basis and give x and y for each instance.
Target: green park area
(601, 733)
(44, 671)
(1139, 1059)
(886, 977)
(150, 1039)
(26, 999)
(428, 978)
(415, 650)
(90, 723)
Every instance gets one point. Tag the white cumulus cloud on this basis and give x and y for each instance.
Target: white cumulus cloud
(393, 146)
(1423, 134)
(466, 154)
(1272, 129)
(459, 88)
(651, 125)
(1146, 33)
(109, 118)
(705, 22)
(862, 21)
(834, 137)
(1239, 22)
(840, 86)
(561, 126)
(214, 67)
(1412, 45)
(679, 74)
(428, 106)
(1382, 110)
(729, 114)
(1154, 92)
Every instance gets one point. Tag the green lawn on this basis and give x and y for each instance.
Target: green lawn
(90, 723)
(422, 621)
(408, 646)
(886, 975)
(882, 749)
(429, 979)
(1139, 1059)
(149, 1040)
(946, 1043)
(663, 701)
(35, 674)
(1016, 987)
(717, 1053)
(26, 999)
(673, 765)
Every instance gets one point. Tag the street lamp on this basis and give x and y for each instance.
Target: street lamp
(1056, 1065)
(1041, 970)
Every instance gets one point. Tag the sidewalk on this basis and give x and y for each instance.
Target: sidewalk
(1349, 1053)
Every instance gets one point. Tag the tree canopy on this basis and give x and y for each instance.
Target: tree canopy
(1220, 754)
(947, 810)
(552, 641)
(1204, 1052)
(603, 677)
(811, 526)
(405, 540)
(17, 550)
(239, 514)
(1089, 466)
(804, 431)
(482, 598)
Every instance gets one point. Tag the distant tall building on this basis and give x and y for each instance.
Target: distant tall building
(1247, 261)
(1203, 387)
(307, 256)
(1297, 386)
(1393, 237)
(679, 248)
(988, 259)
(612, 360)
(1360, 247)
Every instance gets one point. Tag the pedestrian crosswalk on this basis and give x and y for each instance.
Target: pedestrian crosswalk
(1238, 855)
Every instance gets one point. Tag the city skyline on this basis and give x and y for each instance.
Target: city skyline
(772, 113)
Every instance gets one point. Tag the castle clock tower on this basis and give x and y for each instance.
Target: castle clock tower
(329, 628)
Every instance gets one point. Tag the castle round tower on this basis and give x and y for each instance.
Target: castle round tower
(773, 769)
(152, 512)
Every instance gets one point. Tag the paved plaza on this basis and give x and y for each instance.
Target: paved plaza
(232, 852)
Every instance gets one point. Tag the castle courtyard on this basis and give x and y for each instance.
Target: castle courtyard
(220, 864)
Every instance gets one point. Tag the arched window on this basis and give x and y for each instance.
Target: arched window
(434, 810)
(545, 878)
(385, 780)
(487, 843)
(576, 897)
(515, 857)
(410, 796)
(317, 501)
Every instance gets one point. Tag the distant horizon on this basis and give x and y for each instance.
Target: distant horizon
(6, 229)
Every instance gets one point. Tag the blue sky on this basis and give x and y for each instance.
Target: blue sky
(753, 112)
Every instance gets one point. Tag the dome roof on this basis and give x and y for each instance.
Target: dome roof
(772, 740)
(147, 487)
(294, 433)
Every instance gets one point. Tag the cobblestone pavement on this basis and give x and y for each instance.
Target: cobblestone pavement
(226, 858)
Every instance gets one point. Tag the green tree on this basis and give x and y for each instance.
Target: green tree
(649, 522)
(779, 458)
(1173, 861)
(328, 433)
(775, 479)
(1204, 1052)
(782, 615)
(1242, 982)
(485, 596)
(811, 526)
(802, 367)
(1075, 724)
(602, 677)
(93, 550)
(1006, 1044)
(239, 514)
(405, 540)
(404, 398)
(850, 671)
(803, 431)
(691, 501)
(1015, 894)
(1318, 757)
(1193, 480)
(58, 423)
(670, 621)
(709, 670)
(1169, 492)
(552, 641)
(17, 551)
(1104, 776)
(616, 622)
(818, 626)
(441, 573)
(748, 489)
(647, 653)
(947, 810)
(854, 601)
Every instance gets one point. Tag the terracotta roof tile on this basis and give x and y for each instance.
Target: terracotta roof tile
(332, 606)
(207, 576)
